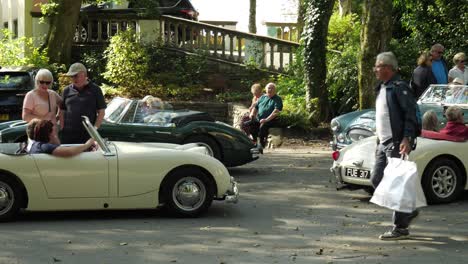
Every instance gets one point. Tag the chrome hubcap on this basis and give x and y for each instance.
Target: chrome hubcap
(6, 198)
(189, 193)
(444, 181)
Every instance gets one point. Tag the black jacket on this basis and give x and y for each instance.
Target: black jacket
(402, 109)
(421, 79)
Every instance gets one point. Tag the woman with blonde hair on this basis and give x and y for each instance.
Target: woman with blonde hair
(430, 121)
(422, 75)
(459, 70)
(41, 102)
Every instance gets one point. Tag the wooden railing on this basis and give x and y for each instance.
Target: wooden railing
(177, 33)
(227, 44)
(99, 27)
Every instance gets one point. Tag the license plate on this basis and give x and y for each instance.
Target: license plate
(4, 117)
(358, 173)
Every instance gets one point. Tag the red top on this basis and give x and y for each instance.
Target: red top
(455, 129)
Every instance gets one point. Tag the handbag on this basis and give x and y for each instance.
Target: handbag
(400, 188)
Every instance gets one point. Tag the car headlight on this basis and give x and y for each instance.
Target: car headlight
(340, 138)
(335, 125)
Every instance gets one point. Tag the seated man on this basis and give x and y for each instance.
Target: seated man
(41, 133)
(265, 114)
(456, 124)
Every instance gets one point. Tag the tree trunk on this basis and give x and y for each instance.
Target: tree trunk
(376, 33)
(317, 16)
(345, 7)
(252, 17)
(61, 31)
(301, 9)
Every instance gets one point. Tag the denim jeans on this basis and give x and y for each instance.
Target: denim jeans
(386, 150)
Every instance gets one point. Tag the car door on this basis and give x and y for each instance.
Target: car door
(83, 176)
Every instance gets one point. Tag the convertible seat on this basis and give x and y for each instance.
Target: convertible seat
(183, 117)
(15, 149)
(440, 136)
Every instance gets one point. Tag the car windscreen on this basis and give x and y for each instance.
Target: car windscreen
(445, 94)
(116, 108)
(15, 80)
(154, 114)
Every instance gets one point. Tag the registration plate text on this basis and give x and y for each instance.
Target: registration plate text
(358, 173)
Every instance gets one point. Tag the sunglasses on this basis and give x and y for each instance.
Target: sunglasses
(45, 82)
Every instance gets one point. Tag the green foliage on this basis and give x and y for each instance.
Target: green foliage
(110, 91)
(172, 68)
(342, 72)
(291, 88)
(127, 63)
(233, 96)
(95, 63)
(21, 51)
(434, 21)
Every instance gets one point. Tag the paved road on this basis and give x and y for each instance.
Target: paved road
(288, 213)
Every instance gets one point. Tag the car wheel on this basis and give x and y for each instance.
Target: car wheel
(207, 142)
(188, 192)
(442, 181)
(10, 198)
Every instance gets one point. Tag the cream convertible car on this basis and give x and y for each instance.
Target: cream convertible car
(442, 166)
(119, 175)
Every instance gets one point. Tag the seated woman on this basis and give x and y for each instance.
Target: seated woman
(430, 121)
(456, 123)
(245, 121)
(42, 132)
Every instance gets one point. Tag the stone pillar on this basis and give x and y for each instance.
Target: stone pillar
(151, 29)
(24, 18)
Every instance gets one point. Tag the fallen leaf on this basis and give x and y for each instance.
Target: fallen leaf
(56, 259)
(320, 252)
(123, 244)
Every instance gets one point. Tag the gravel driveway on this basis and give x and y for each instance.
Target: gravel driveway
(288, 213)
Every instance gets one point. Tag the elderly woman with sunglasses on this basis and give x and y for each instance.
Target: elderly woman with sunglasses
(41, 102)
(42, 133)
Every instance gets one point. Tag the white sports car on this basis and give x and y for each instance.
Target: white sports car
(442, 166)
(119, 175)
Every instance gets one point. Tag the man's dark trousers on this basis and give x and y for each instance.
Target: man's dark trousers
(261, 131)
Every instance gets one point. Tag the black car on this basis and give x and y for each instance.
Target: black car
(14, 84)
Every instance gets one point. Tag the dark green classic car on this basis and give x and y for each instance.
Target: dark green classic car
(132, 121)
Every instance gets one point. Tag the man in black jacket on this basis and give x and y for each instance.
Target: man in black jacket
(396, 125)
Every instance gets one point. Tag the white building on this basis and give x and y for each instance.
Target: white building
(275, 18)
(22, 17)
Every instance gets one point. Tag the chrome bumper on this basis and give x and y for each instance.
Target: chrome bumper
(232, 195)
(336, 176)
(255, 153)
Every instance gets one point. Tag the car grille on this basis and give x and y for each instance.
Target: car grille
(357, 134)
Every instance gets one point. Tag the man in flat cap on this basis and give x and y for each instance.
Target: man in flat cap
(81, 98)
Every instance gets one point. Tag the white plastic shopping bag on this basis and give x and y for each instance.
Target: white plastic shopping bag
(400, 188)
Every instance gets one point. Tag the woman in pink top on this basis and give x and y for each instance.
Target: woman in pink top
(257, 92)
(41, 102)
